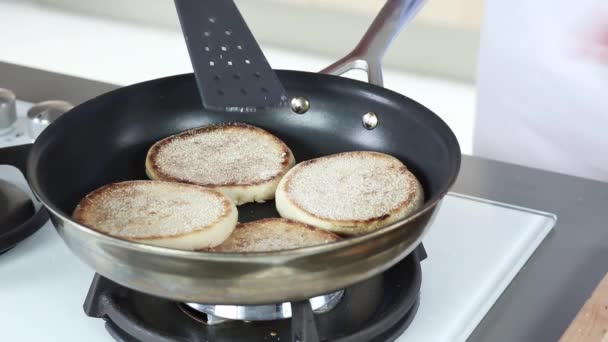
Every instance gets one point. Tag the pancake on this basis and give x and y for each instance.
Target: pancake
(273, 234)
(167, 214)
(242, 161)
(349, 193)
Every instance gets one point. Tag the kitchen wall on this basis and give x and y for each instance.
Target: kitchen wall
(442, 41)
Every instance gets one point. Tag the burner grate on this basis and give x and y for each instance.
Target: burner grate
(378, 309)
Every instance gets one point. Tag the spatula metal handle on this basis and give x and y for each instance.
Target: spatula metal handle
(368, 54)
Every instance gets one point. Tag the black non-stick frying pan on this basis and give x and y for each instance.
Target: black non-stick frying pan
(106, 139)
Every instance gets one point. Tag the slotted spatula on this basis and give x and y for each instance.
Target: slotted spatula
(231, 71)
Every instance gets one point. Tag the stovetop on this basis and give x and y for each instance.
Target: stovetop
(475, 248)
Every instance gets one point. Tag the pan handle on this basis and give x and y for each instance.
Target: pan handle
(368, 54)
(17, 156)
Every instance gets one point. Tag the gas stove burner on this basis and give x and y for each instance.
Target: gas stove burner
(319, 304)
(377, 309)
(15, 209)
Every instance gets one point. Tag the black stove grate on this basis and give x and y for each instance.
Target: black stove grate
(378, 309)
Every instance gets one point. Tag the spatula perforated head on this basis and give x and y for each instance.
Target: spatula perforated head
(231, 71)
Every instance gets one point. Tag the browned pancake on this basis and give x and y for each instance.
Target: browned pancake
(242, 161)
(273, 234)
(168, 214)
(349, 193)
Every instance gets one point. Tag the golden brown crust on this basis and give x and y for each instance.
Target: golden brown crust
(156, 172)
(246, 236)
(87, 205)
(412, 181)
(301, 225)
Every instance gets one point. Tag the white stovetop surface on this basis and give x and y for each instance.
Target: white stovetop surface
(122, 53)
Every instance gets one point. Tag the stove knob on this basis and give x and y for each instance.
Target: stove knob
(8, 110)
(42, 114)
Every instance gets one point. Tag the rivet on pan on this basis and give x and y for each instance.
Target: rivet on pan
(370, 120)
(300, 105)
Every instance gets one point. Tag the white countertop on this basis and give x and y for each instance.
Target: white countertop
(123, 53)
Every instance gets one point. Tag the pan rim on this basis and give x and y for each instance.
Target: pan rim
(245, 257)
(276, 257)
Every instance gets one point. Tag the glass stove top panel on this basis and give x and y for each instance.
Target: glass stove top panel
(475, 248)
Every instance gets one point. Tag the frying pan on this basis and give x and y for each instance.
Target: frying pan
(105, 140)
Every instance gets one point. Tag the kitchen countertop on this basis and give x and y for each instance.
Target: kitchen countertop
(550, 289)
(545, 296)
